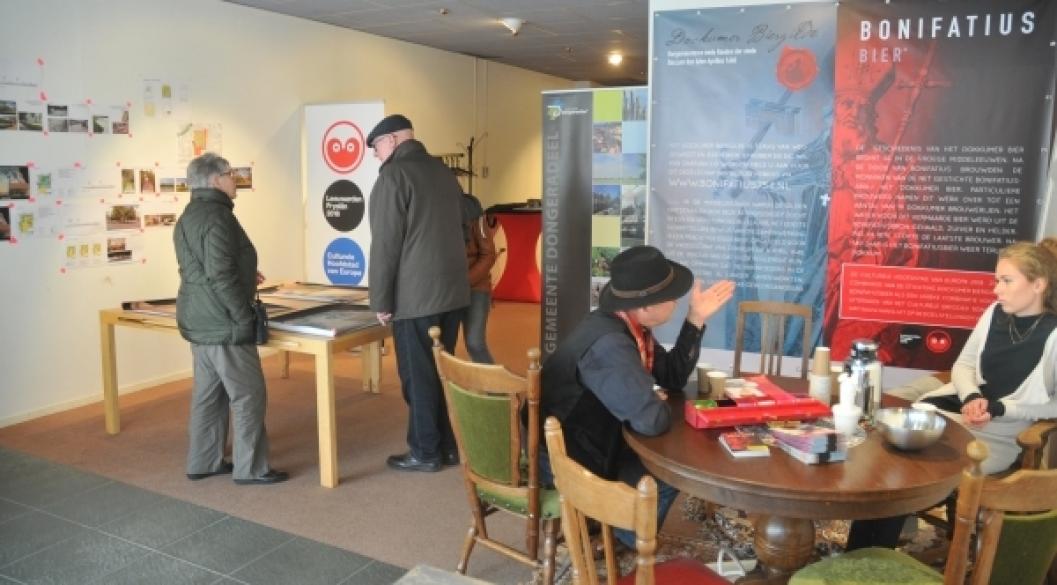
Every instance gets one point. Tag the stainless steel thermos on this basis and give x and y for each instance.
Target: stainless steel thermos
(864, 370)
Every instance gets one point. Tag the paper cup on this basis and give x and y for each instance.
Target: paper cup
(703, 386)
(717, 382)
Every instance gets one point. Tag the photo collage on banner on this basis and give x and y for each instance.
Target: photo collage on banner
(618, 178)
(339, 178)
(594, 197)
(740, 163)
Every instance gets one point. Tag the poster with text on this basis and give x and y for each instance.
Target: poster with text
(942, 127)
(739, 167)
(339, 175)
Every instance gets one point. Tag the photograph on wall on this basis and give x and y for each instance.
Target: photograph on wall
(180, 185)
(14, 182)
(118, 250)
(5, 223)
(100, 124)
(30, 121)
(243, 177)
(151, 220)
(43, 183)
(166, 185)
(119, 120)
(197, 139)
(58, 124)
(146, 181)
(122, 217)
(739, 167)
(128, 181)
(8, 122)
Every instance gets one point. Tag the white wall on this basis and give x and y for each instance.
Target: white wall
(250, 71)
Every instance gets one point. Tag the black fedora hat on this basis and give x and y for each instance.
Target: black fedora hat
(642, 276)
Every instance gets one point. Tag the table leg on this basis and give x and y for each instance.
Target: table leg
(284, 364)
(371, 358)
(328, 455)
(111, 408)
(783, 545)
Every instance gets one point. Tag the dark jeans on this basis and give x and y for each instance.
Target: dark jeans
(475, 327)
(631, 471)
(429, 433)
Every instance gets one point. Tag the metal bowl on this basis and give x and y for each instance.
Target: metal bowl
(909, 428)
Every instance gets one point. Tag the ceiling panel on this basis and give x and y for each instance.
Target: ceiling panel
(566, 38)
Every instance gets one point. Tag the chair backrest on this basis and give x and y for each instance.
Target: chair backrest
(484, 401)
(1019, 508)
(773, 317)
(611, 503)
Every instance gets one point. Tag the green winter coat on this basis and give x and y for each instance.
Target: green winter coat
(218, 272)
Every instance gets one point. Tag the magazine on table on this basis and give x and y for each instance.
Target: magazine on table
(326, 321)
(743, 444)
(812, 458)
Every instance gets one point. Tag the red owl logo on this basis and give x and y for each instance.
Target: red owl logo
(343, 147)
(938, 341)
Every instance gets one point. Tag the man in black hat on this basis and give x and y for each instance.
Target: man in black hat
(603, 375)
(418, 279)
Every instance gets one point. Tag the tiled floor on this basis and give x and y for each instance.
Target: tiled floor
(59, 525)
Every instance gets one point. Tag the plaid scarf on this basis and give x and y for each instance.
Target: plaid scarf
(643, 338)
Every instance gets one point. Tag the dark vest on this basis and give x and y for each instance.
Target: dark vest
(593, 436)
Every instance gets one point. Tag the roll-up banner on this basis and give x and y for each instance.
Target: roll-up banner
(339, 175)
(594, 197)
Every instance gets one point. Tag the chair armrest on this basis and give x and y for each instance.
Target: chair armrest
(1033, 440)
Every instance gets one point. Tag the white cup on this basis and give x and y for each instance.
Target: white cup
(717, 381)
(846, 418)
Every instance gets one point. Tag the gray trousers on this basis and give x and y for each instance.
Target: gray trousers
(228, 378)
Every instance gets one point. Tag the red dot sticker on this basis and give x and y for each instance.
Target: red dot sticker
(797, 68)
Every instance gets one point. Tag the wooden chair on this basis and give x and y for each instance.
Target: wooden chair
(613, 504)
(1013, 518)
(773, 317)
(484, 401)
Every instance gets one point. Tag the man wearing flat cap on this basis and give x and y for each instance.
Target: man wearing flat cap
(418, 279)
(602, 376)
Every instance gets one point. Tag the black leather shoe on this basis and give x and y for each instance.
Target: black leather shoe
(270, 476)
(450, 458)
(225, 468)
(408, 462)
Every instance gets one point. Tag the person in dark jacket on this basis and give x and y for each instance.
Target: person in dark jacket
(418, 279)
(480, 257)
(603, 376)
(218, 280)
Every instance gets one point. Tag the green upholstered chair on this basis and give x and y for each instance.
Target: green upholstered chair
(500, 461)
(1012, 520)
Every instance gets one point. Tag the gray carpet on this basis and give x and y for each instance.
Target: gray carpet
(400, 518)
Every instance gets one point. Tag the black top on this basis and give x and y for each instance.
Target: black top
(1007, 358)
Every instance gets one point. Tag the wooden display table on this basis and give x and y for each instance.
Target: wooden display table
(321, 347)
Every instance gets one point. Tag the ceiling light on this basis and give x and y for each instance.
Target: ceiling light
(615, 59)
(512, 24)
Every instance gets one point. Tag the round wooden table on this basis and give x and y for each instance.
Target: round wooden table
(876, 481)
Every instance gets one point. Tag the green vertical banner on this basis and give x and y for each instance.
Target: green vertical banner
(594, 197)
